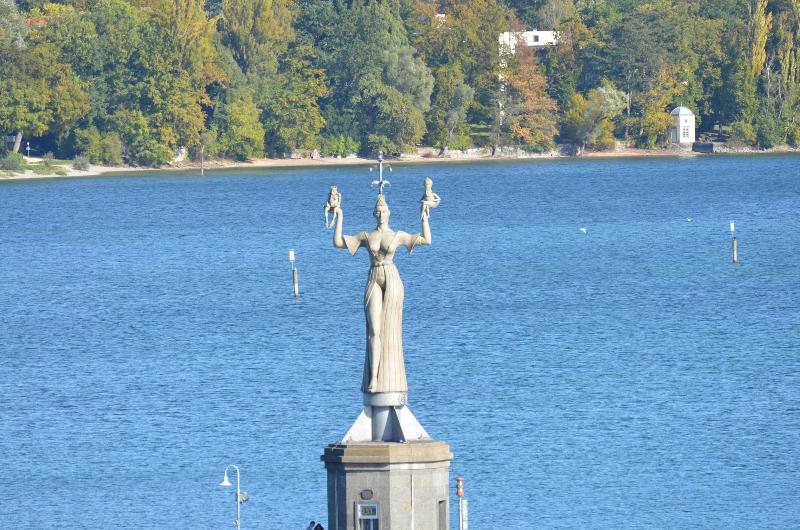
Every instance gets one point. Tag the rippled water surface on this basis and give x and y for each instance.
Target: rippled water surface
(629, 377)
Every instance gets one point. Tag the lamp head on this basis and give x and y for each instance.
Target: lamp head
(225, 482)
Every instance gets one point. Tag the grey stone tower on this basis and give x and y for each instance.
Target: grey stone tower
(388, 486)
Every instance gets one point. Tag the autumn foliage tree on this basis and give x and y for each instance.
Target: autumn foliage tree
(590, 121)
(529, 112)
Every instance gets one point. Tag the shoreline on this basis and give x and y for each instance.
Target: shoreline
(423, 156)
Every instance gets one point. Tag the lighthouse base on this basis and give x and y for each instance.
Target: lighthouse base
(388, 486)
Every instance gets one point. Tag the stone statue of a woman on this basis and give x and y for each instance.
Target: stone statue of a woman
(384, 369)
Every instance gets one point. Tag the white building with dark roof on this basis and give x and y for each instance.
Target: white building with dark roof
(532, 39)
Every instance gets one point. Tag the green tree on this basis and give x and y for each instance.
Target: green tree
(708, 80)
(528, 11)
(467, 36)
(87, 142)
(38, 95)
(408, 74)
(141, 143)
(767, 127)
(390, 120)
(379, 88)
(563, 62)
(553, 13)
(73, 35)
(575, 126)
(292, 117)
(236, 122)
(151, 62)
(727, 100)
(636, 42)
(257, 32)
(654, 106)
(590, 121)
(747, 73)
(451, 100)
(12, 26)
(111, 149)
(633, 53)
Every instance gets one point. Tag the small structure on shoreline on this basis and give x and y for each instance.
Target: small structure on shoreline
(682, 130)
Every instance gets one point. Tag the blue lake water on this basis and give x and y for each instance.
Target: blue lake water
(629, 377)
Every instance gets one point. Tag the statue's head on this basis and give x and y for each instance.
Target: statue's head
(428, 184)
(381, 211)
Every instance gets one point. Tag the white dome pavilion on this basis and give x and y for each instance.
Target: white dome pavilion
(682, 129)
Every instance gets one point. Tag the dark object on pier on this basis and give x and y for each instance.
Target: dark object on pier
(704, 147)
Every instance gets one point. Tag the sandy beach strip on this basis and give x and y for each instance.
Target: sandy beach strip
(424, 156)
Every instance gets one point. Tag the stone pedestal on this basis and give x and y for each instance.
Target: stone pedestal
(388, 485)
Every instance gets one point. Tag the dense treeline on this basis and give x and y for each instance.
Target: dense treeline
(137, 80)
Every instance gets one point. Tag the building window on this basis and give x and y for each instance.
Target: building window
(368, 524)
(536, 38)
(368, 518)
(685, 132)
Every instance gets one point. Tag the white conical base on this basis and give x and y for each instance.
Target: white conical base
(385, 424)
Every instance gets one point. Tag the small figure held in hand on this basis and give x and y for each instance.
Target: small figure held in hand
(334, 202)
(429, 200)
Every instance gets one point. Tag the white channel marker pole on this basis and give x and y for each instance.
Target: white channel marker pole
(295, 274)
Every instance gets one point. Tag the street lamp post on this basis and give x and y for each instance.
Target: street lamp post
(28, 148)
(241, 496)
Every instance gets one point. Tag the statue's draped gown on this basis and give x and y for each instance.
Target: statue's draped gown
(391, 367)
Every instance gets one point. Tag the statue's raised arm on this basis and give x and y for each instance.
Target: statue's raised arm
(414, 240)
(429, 201)
(351, 243)
(338, 241)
